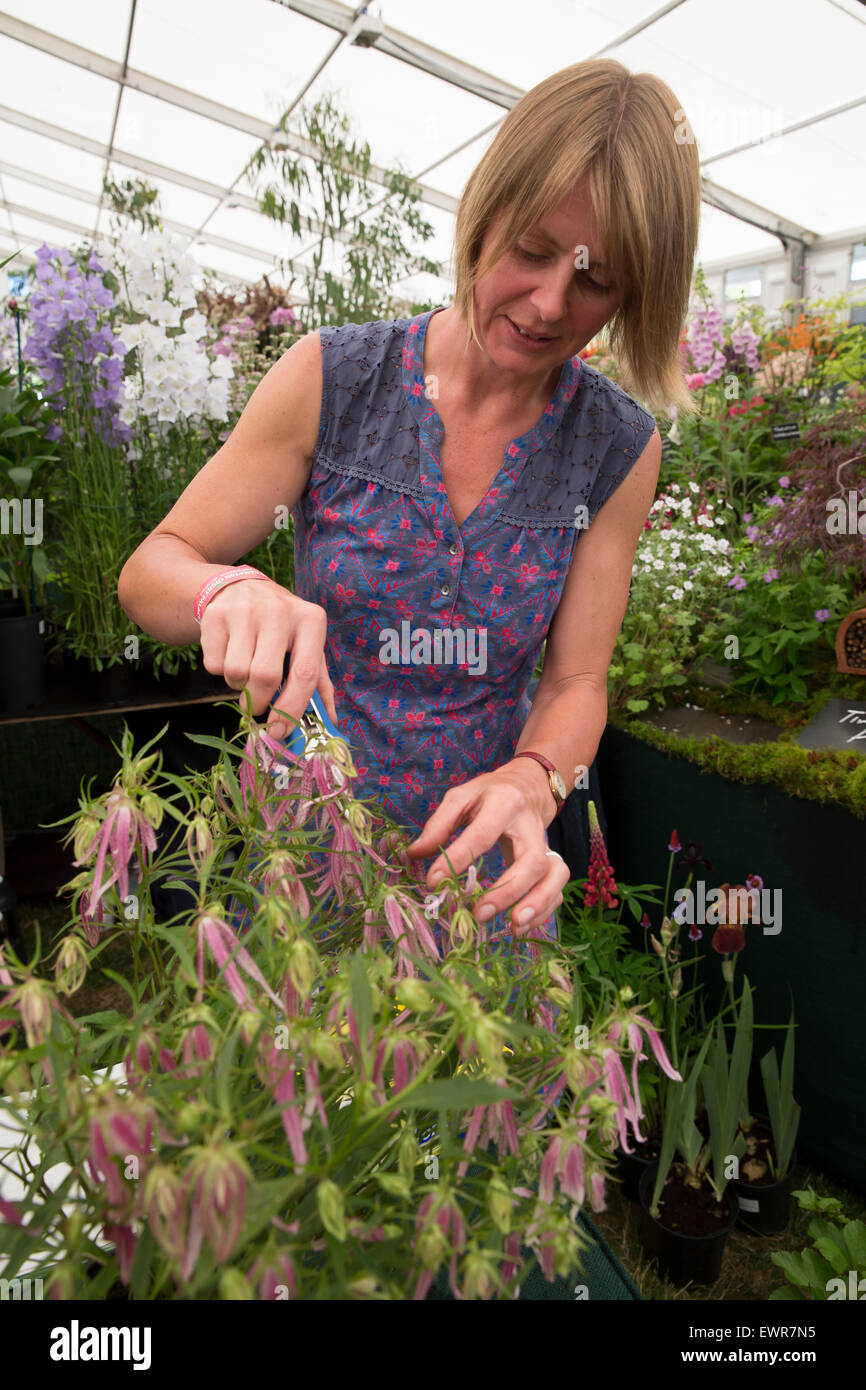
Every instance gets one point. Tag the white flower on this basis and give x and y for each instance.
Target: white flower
(195, 324)
(677, 594)
(687, 584)
(162, 311)
(222, 367)
(658, 564)
(694, 487)
(674, 487)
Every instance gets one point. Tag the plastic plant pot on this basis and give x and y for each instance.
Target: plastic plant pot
(684, 1259)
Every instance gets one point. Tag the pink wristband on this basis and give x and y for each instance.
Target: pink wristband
(218, 581)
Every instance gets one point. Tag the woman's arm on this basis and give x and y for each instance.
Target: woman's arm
(231, 503)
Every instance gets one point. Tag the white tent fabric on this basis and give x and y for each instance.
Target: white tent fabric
(181, 92)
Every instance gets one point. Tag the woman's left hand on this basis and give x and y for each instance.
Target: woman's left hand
(501, 808)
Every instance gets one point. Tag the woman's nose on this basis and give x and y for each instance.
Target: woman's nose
(550, 298)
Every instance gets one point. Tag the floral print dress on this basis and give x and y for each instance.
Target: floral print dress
(378, 547)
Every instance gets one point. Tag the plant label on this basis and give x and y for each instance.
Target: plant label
(840, 724)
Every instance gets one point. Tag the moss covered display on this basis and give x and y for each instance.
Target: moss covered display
(828, 776)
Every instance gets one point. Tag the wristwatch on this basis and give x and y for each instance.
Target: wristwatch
(554, 777)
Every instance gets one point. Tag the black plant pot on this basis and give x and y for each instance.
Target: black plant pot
(684, 1259)
(22, 661)
(11, 607)
(765, 1206)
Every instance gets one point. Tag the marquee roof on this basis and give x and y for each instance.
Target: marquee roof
(181, 92)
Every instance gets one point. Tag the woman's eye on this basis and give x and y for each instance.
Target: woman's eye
(529, 255)
(594, 285)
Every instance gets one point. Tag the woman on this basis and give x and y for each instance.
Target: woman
(465, 473)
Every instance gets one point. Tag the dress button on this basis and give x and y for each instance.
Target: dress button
(452, 550)
(446, 589)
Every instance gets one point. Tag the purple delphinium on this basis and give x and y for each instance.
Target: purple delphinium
(71, 342)
(738, 582)
(769, 575)
(823, 615)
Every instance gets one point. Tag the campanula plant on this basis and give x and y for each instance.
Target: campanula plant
(250, 1126)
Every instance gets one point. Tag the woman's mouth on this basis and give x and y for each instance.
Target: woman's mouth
(525, 337)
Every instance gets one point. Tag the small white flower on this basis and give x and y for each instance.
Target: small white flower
(694, 487)
(195, 325)
(222, 367)
(687, 584)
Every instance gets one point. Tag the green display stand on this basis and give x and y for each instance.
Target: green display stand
(817, 962)
(603, 1278)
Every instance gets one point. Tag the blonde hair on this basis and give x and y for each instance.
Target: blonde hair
(627, 134)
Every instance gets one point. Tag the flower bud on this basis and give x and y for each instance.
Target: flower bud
(70, 971)
(501, 1205)
(728, 966)
(303, 965)
(668, 931)
(337, 750)
(464, 928)
(329, 1200)
(34, 1006)
(479, 1281)
(84, 843)
(234, 1287)
(414, 994)
(141, 767)
(408, 1154)
(199, 842)
(431, 1245)
(151, 809)
(677, 982)
(657, 946)
(165, 1200)
(360, 822)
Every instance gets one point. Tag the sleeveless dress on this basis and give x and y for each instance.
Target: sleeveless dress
(378, 547)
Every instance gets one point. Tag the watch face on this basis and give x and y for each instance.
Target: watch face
(560, 785)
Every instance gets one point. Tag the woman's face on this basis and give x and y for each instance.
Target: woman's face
(536, 287)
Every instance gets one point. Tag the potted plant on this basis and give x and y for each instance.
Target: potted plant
(764, 1185)
(25, 455)
(592, 923)
(679, 1000)
(688, 1203)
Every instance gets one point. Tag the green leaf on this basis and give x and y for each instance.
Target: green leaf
(458, 1093)
(20, 476)
(834, 1250)
(362, 997)
(224, 1071)
(794, 1267)
(142, 1264)
(855, 1239)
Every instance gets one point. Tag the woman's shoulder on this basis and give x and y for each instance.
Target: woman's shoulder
(370, 333)
(597, 392)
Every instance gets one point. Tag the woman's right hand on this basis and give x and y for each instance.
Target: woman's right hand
(246, 630)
